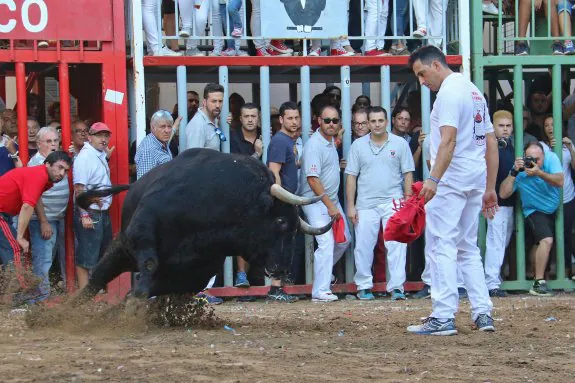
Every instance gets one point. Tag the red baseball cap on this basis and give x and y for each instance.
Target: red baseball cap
(98, 127)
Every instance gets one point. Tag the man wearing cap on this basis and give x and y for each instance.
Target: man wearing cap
(93, 227)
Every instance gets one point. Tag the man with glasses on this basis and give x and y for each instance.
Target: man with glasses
(79, 137)
(203, 130)
(93, 227)
(359, 124)
(379, 168)
(538, 176)
(154, 150)
(321, 176)
(47, 226)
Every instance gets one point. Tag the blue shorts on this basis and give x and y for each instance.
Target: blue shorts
(565, 6)
(92, 243)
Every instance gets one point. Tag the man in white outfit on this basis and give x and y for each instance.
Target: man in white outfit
(379, 167)
(464, 162)
(375, 25)
(320, 174)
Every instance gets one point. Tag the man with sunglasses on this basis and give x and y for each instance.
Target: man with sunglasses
(203, 130)
(321, 176)
(538, 177)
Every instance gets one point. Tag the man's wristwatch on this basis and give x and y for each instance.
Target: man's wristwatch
(14, 156)
(513, 172)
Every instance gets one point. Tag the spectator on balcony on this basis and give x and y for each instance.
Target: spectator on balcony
(54, 112)
(236, 29)
(378, 181)
(266, 47)
(321, 176)
(488, 7)
(399, 22)
(521, 47)
(153, 30)
(538, 104)
(564, 9)
(47, 226)
(568, 162)
(429, 15)
(169, 21)
(500, 228)
(400, 119)
(93, 227)
(153, 150)
(375, 25)
(538, 181)
(33, 128)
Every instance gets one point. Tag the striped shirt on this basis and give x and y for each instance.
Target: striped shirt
(55, 200)
(150, 153)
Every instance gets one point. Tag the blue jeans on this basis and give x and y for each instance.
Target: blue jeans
(230, 43)
(401, 17)
(7, 239)
(234, 11)
(92, 243)
(43, 254)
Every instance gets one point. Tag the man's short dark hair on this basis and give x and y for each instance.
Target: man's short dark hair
(427, 54)
(288, 105)
(362, 96)
(58, 156)
(249, 105)
(328, 89)
(377, 109)
(534, 143)
(212, 88)
(193, 92)
(330, 107)
(359, 111)
(398, 110)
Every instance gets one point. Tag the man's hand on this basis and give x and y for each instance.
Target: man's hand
(342, 164)
(259, 146)
(87, 222)
(333, 212)
(352, 214)
(567, 141)
(176, 125)
(489, 205)
(10, 144)
(421, 138)
(109, 151)
(519, 164)
(71, 149)
(534, 171)
(24, 244)
(45, 230)
(229, 119)
(428, 190)
(552, 142)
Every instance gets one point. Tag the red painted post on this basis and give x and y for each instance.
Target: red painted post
(21, 99)
(3, 87)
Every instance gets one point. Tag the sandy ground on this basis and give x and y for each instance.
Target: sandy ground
(347, 341)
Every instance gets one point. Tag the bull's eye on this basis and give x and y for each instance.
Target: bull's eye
(281, 221)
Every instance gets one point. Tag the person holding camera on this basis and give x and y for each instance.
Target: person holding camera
(538, 177)
(500, 228)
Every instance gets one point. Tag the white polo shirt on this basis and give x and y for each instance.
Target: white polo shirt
(201, 133)
(460, 104)
(91, 170)
(379, 170)
(320, 160)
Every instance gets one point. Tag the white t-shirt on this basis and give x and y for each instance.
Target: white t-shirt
(91, 170)
(568, 187)
(461, 105)
(320, 160)
(379, 170)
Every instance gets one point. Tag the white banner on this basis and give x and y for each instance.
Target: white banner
(304, 19)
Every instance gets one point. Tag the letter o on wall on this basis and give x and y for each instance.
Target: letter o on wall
(26, 15)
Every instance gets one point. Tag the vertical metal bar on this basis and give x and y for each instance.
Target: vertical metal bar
(159, 22)
(465, 37)
(532, 26)
(305, 85)
(518, 125)
(548, 21)
(444, 25)
(557, 133)
(411, 26)
(65, 120)
(516, 24)
(265, 106)
(182, 91)
(394, 18)
(21, 97)
(345, 75)
(177, 21)
(425, 124)
(138, 81)
(500, 37)
(362, 14)
(385, 91)
(224, 81)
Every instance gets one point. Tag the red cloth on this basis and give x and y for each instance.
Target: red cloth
(408, 222)
(22, 185)
(338, 228)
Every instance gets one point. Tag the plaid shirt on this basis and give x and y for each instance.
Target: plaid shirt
(151, 153)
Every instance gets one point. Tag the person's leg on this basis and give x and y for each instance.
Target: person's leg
(340, 248)
(256, 25)
(382, 23)
(371, 24)
(241, 274)
(524, 17)
(149, 14)
(366, 232)
(88, 250)
(436, 19)
(469, 256)
(42, 250)
(217, 26)
(400, 24)
(396, 254)
(234, 7)
(169, 21)
(568, 220)
(200, 19)
(8, 244)
(495, 246)
(187, 15)
(564, 17)
(420, 8)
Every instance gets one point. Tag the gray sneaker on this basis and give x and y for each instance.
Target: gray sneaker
(540, 289)
(484, 323)
(434, 326)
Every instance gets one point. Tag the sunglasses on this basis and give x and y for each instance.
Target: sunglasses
(221, 134)
(330, 120)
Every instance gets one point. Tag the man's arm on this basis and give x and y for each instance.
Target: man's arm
(85, 218)
(317, 187)
(492, 160)
(45, 227)
(407, 182)
(350, 190)
(23, 222)
(553, 179)
(445, 151)
(506, 188)
(275, 168)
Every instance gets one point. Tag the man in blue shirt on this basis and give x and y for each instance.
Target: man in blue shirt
(539, 184)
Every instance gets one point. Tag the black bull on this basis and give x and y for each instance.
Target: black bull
(181, 220)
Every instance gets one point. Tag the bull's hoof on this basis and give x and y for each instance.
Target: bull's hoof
(141, 291)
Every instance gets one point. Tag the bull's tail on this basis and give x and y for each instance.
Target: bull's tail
(84, 200)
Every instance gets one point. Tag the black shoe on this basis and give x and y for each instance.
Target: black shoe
(278, 294)
(497, 293)
(424, 293)
(462, 293)
(540, 289)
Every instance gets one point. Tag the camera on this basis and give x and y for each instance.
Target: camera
(502, 143)
(529, 161)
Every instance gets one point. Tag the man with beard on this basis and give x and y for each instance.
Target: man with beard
(193, 103)
(203, 130)
(20, 192)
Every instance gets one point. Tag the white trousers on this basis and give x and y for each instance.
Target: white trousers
(150, 21)
(426, 275)
(429, 15)
(256, 25)
(366, 233)
(452, 220)
(376, 22)
(199, 21)
(499, 231)
(328, 251)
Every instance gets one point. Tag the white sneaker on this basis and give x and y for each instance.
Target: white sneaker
(490, 8)
(165, 51)
(194, 52)
(240, 52)
(325, 297)
(185, 33)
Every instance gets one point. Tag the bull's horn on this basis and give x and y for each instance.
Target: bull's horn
(283, 195)
(306, 228)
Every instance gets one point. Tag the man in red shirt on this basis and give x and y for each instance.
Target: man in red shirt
(20, 191)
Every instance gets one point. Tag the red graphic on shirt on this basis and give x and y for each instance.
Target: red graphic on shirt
(392, 153)
(479, 119)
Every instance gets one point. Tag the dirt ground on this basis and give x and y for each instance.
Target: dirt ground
(347, 341)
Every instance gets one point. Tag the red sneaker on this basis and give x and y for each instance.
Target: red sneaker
(341, 52)
(261, 52)
(376, 52)
(279, 46)
(272, 52)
